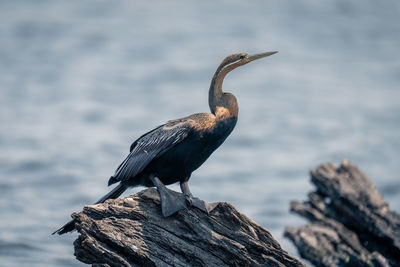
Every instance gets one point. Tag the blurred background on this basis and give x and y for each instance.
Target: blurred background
(81, 80)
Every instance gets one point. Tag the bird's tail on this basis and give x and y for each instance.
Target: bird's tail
(70, 226)
(116, 192)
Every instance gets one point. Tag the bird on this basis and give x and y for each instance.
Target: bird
(172, 151)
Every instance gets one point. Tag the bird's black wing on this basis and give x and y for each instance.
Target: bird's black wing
(149, 146)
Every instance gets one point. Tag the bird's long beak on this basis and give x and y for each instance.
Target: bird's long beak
(261, 55)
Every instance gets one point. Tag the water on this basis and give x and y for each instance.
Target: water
(81, 80)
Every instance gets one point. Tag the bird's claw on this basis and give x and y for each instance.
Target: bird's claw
(202, 205)
(172, 202)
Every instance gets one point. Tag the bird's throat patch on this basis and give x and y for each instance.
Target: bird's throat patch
(222, 113)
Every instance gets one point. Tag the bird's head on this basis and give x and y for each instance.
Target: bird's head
(216, 97)
(235, 60)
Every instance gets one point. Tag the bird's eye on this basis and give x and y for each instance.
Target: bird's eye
(241, 57)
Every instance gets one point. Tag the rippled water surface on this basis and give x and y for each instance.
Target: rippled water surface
(81, 80)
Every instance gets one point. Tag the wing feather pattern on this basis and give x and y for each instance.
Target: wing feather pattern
(150, 146)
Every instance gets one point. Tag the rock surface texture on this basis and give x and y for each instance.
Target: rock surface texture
(132, 232)
(350, 223)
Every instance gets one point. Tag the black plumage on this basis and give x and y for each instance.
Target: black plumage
(172, 151)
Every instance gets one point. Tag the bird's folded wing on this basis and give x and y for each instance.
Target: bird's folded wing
(149, 146)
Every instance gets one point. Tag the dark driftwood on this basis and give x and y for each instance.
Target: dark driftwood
(132, 232)
(350, 223)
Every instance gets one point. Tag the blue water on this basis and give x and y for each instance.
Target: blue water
(81, 80)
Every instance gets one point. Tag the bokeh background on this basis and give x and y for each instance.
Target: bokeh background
(81, 80)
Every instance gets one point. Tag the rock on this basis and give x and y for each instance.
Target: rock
(350, 223)
(131, 231)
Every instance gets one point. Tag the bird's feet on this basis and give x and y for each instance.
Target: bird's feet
(172, 202)
(200, 204)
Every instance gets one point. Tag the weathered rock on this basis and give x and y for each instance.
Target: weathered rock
(351, 224)
(132, 232)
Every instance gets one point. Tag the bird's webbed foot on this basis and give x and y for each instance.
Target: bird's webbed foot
(202, 205)
(194, 201)
(171, 201)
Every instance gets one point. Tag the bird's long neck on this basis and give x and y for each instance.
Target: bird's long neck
(216, 97)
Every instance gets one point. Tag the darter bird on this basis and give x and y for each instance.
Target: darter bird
(172, 151)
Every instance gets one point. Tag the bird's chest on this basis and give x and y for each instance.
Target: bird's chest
(210, 139)
(179, 162)
(205, 142)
